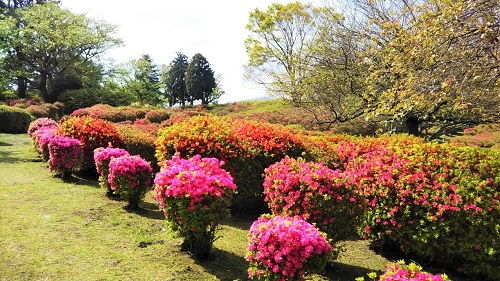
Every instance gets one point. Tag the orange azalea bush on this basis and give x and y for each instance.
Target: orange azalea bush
(92, 133)
(246, 147)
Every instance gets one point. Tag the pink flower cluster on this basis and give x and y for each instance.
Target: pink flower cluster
(195, 178)
(65, 154)
(39, 123)
(41, 138)
(412, 272)
(102, 157)
(129, 172)
(314, 192)
(280, 247)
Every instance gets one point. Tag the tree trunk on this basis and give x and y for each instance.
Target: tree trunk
(43, 87)
(21, 87)
(412, 123)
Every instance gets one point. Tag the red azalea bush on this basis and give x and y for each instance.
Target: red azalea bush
(435, 201)
(130, 177)
(40, 122)
(195, 195)
(316, 193)
(102, 157)
(400, 271)
(65, 155)
(140, 140)
(92, 133)
(285, 248)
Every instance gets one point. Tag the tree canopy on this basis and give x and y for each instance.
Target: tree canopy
(200, 80)
(427, 64)
(51, 45)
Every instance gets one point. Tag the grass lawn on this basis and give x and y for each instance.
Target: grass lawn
(55, 230)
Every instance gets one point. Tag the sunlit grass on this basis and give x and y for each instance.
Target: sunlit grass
(55, 230)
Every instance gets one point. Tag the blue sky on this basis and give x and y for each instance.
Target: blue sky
(216, 29)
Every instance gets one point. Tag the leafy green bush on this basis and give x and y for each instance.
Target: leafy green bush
(157, 115)
(14, 120)
(139, 140)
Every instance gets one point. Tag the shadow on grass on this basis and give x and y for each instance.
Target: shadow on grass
(148, 210)
(225, 265)
(11, 157)
(242, 222)
(228, 266)
(77, 180)
(5, 144)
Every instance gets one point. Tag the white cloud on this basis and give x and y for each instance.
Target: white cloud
(216, 29)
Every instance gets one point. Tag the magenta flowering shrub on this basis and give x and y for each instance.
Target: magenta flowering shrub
(41, 138)
(102, 157)
(40, 122)
(401, 272)
(285, 248)
(195, 195)
(434, 201)
(65, 155)
(130, 177)
(314, 192)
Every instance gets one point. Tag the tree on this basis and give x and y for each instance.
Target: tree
(52, 44)
(200, 80)
(144, 82)
(435, 64)
(175, 80)
(279, 48)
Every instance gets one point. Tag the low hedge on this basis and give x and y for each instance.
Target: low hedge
(14, 120)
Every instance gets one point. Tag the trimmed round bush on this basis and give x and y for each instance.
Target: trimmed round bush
(14, 120)
(400, 271)
(285, 248)
(41, 139)
(157, 115)
(130, 177)
(195, 195)
(102, 156)
(39, 123)
(65, 155)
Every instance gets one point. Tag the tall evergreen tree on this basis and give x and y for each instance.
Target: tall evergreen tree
(200, 80)
(175, 80)
(145, 83)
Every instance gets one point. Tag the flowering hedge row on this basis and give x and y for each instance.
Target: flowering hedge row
(246, 147)
(110, 113)
(65, 155)
(436, 201)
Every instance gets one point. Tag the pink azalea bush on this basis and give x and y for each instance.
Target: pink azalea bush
(401, 272)
(102, 157)
(285, 248)
(130, 177)
(195, 195)
(39, 123)
(65, 155)
(41, 138)
(319, 195)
